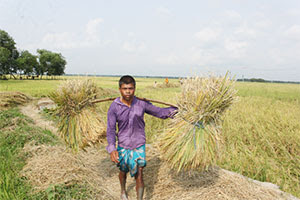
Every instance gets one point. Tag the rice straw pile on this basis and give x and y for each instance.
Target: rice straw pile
(79, 125)
(192, 140)
(169, 85)
(13, 98)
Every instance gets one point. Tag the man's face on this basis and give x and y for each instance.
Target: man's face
(127, 91)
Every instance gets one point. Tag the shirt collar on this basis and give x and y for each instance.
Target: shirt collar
(118, 101)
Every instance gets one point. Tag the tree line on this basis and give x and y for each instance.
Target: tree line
(265, 81)
(24, 64)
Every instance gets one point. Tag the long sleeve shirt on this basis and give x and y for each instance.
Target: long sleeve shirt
(131, 124)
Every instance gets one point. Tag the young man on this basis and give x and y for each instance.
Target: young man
(128, 112)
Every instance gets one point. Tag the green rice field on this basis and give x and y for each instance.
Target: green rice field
(261, 130)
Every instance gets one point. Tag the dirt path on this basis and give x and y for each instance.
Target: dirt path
(53, 165)
(33, 112)
(95, 160)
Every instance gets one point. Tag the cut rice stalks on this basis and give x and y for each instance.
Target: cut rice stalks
(79, 125)
(193, 139)
(8, 99)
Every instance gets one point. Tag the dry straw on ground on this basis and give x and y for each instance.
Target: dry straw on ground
(192, 139)
(8, 99)
(79, 123)
(50, 165)
(164, 85)
(167, 85)
(56, 165)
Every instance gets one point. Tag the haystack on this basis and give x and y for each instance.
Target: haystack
(79, 123)
(167, 85)
(193, 139)
(8, 99)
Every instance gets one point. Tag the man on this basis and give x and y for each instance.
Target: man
(128, 112)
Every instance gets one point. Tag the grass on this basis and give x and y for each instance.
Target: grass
(42, 88)
(58, 192)
(274, 91)
(30, 86)
(261, 131)
(15, 131)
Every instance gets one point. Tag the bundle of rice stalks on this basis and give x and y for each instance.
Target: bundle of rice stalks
(79, 123)
(8, 99)
(192, 140)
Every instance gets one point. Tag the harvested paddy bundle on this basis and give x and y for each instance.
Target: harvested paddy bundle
(13, 98)
(192, 140)
(79, 123)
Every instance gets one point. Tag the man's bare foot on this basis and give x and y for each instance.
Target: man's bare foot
(140, 193)
(124, 196)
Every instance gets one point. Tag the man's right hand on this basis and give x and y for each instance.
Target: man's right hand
(114, 156)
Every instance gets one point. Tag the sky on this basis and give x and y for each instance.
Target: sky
(248, 38)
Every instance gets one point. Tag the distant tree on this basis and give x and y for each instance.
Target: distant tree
(58, 64)
(44, 60)
(257, 80)
(8, 43)
(4, 61)
(27, 63)
(51, 63)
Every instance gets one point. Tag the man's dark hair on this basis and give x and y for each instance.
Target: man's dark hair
(126, 80)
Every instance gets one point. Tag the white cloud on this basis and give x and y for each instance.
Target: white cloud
(169, 60)
(260, 20)
(245, 31)
(294, 12)
(202, 57)
(163, 11)
(233, 15)
(92, 29)
(276, 56)
(63, 40)
(235, 48)
(192, 56)
(133, 46)
(265, 23)
(70, 40)
(293, 32)
(207, 35)
(131, 34)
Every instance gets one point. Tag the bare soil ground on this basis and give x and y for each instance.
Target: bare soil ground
(32, 111)
(55, 164)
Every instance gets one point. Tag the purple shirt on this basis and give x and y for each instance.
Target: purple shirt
(131, 124)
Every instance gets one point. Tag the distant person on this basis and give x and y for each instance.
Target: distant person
(180, 81)
(128, 112)
(155, 83)
(167, 81)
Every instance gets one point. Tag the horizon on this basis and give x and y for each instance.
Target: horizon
(177, 77)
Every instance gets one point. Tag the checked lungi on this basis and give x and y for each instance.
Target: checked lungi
(130, 160)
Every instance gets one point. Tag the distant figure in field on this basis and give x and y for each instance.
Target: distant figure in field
(167, 81)
(180, 81)
(128, 113)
